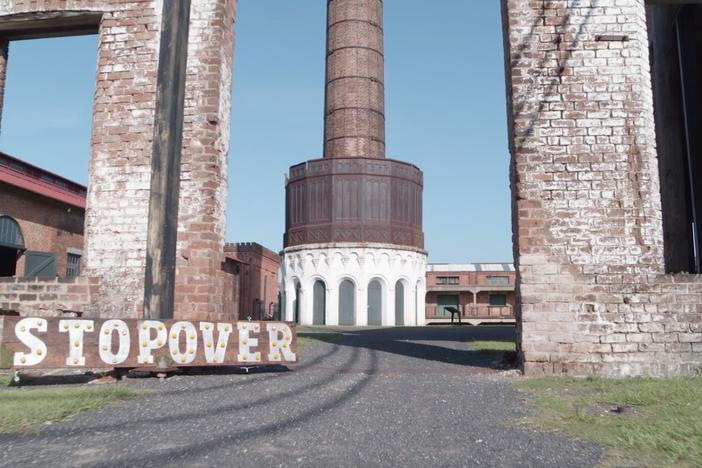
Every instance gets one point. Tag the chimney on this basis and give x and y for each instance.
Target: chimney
(354, 120)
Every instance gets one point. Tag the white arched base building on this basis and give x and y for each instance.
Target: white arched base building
(353, 284)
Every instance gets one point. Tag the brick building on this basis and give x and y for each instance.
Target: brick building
(41, 222)
(481, 292)
(255, 288)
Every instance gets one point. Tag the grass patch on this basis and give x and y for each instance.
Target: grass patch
(493, 346)
(660, 422)
(25, 410)
(5, 380)
(307, 339)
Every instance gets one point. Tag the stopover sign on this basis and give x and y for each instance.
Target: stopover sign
(35, 342)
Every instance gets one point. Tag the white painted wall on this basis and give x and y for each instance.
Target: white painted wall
(361, 264)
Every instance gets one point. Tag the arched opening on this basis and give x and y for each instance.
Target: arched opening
(11, 245)
(375, 303)
(399, 303)
(296, 303)
(419, 309)
(347, 303)
(319, 301)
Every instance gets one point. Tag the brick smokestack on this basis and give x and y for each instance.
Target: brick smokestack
(354, 119)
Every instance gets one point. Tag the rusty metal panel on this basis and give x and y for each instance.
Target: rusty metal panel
(355, 200)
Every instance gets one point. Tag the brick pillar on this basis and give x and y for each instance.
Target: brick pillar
(202, 217)
(586, 200)
(355, 94)
(120, 161)
(120, 167)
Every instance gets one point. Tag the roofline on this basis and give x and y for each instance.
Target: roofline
(28, 180)
(471, 267)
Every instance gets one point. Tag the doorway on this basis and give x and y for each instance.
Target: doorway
(375, 303)
(399, 304)
(319, 303)
(347, 303)
(443, 301)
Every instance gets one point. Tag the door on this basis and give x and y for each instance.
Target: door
(296, 304)
(347, 303)
(319, 303)
(375, 303)
(399, 304)
(443, 301)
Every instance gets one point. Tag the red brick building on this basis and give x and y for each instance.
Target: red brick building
(481, 292)
(255, 286)
(41, 222)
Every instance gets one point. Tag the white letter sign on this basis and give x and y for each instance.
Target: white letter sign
(105, 342)
(37, 348)
(214, 352)
(75, 329)
(146, 344)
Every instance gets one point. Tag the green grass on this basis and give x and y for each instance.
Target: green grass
(5, 380)
(661, 424)
(24, 410)
(493, 346)
(307, 339)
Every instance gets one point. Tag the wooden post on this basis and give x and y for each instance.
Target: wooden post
(159, 284)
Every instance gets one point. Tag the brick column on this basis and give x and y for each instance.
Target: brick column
(120, 160)
(586, 199)
(202, 217)
(354, 111)
(120, 166)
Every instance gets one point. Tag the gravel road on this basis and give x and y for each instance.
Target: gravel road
(377, 397)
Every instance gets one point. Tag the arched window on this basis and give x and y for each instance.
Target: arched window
(347, 303)
(375, 303)
(399, 303)
(11, 244)
(10, 234)
(319, 303)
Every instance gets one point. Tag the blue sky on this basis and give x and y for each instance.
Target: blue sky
(445, 110)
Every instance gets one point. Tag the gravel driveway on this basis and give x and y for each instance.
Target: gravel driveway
(377, 397)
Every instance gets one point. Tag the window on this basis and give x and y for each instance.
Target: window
(498, 280)
(11, 244)
(73, 265)
(447, 280)
(10, 234)
(498, 300)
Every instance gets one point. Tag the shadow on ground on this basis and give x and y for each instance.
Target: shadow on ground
(446, 344)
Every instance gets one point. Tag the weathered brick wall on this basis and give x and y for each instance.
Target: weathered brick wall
(120, 163)
(586, 200)
(47, 297)
(204, 171)
(257, 277)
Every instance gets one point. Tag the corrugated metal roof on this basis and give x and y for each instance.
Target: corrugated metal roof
(482, 267)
